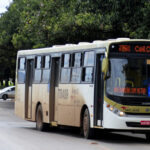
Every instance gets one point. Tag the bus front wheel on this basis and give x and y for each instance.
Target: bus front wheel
(87, 131)
(40, 125)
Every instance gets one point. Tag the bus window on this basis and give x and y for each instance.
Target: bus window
(46, 62)
(76, 70)
(46, 69)
(66, 60)
(37, 76)
(46, 75)
(38, 61)
(76, 75)
(129, 78)
(21, 63)
(21, 70)
(38, 70)
(89, 59)
(87, 74)
(65, 75)
(65, 70)
(77, 60)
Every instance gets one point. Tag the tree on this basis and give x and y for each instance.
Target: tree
(42, 23)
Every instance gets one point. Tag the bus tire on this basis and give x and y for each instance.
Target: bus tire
(40, 125)
(4, 97)
(148, 137)
(87, 131)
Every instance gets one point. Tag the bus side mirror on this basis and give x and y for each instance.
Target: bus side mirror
(105, 66)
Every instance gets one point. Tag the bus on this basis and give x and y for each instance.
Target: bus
(97, 85)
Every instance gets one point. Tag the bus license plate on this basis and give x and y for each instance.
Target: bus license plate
(145, 123)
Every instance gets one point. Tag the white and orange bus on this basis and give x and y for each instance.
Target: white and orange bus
(103, 84)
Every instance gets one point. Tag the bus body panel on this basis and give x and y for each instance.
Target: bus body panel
(70, 100)
(64, 105)
(40, 93)
(20, 101)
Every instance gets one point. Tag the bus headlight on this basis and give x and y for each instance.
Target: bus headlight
(111, 108)
(121, 113)
(115, 110)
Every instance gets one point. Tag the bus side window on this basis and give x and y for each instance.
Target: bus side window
(87, 74)
(38, 70)
(46, 69)
(21, 64)
(38, 62)
(89, 58)
(65, 70)
(21, 70)
(88, 67)
(67, 60)
(77, 60)
(76, 68)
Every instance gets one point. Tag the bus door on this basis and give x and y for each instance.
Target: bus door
(28, 91)
(53, 85)
(98, 96)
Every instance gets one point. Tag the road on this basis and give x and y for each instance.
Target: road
(17, 134)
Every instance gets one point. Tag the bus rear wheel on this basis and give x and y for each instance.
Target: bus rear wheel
(87, 131)
(39, 120)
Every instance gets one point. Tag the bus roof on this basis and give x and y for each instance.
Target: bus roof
(74, 47)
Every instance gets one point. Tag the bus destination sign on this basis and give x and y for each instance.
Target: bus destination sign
(130, 48)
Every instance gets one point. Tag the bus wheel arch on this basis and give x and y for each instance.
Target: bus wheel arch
(37, 105)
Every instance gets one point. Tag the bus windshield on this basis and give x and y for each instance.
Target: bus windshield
(129, 77)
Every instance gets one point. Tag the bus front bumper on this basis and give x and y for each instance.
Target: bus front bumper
(127, 122)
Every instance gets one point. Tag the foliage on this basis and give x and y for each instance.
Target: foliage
(42, 23)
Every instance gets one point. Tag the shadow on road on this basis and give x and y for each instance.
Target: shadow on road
(110, 137)
(100, 136)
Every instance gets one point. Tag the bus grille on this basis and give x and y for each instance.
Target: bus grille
(136, 124)
(138, 114)
(136, 102)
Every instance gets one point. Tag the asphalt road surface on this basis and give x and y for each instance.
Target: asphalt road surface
(17, 134)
